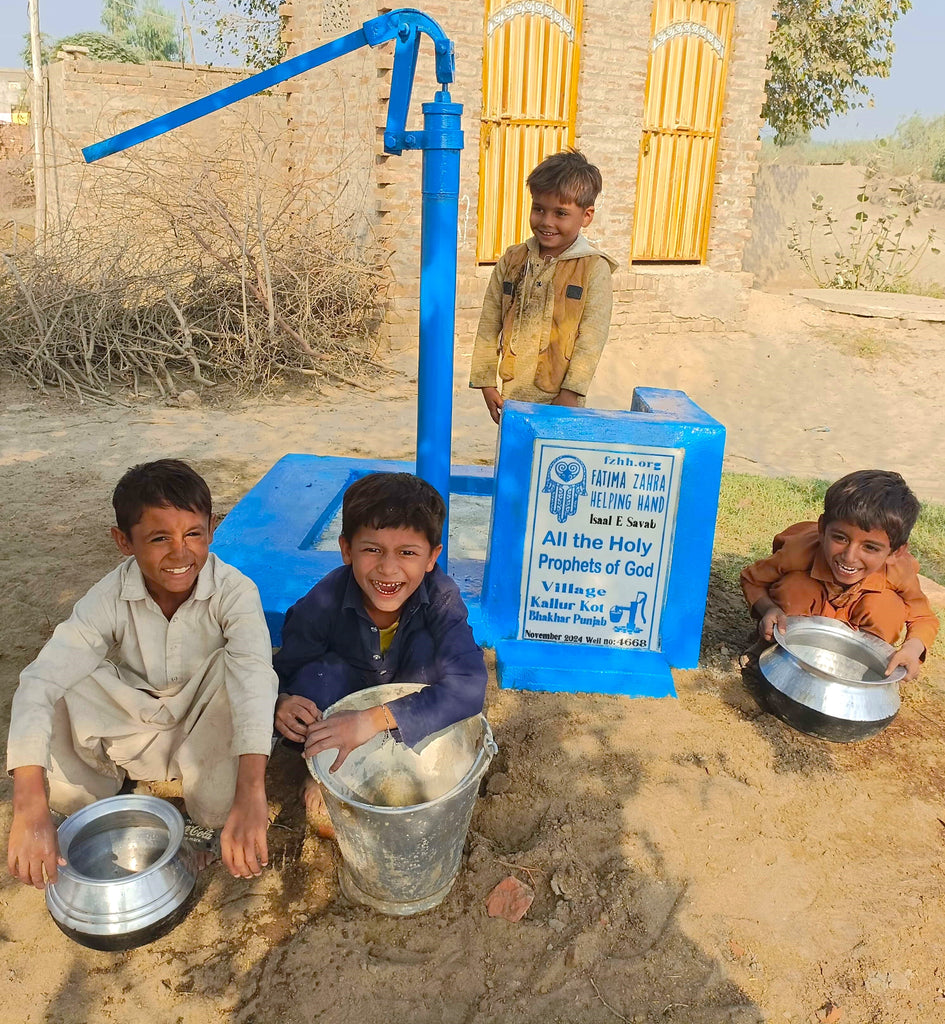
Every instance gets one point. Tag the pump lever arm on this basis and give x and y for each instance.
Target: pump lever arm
(405, 25)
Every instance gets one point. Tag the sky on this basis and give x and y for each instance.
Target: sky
(58, 18)
(915, 86)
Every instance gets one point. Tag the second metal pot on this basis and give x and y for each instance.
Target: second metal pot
(826, 679)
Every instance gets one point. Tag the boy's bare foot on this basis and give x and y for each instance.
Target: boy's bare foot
(316, 811)
(204, 858)
(749, 657)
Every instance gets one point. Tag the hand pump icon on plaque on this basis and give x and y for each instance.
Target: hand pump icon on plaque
(617, 613)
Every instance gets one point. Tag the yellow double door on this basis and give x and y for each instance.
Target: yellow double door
(530, 77)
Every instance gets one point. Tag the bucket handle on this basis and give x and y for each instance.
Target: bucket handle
(489, 749)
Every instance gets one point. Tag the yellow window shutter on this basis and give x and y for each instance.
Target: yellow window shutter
(682, 119)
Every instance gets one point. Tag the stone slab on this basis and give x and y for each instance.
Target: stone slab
(887, 305)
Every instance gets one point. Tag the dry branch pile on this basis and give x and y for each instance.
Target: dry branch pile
(177, 282)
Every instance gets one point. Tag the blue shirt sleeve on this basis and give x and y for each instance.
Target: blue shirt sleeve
(454, 672)
(308, 662)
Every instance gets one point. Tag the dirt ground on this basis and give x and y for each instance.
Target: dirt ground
(693, 860)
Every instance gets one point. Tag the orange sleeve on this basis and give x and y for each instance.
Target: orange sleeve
(902, 574)
(791, 550)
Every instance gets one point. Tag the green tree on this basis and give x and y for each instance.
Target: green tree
(248, 30)
(144, 26)
(117, 17)
(155, 32)
(100, 45)
(136, 31)
(822, 51)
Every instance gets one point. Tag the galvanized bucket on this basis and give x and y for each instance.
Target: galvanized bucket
(401, 815)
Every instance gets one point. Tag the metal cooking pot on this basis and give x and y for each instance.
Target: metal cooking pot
(826, 679)
(129, 876)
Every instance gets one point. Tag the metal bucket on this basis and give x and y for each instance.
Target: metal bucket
(401, 815)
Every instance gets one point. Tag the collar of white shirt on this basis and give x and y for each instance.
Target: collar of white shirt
(133, 587)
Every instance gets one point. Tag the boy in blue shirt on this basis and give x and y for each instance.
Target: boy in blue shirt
(388, 615)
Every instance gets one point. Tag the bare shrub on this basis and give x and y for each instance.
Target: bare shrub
(193, 269)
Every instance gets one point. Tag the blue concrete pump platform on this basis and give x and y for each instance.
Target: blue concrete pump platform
(283, 534)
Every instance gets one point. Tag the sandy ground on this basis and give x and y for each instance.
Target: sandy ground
(693, 860)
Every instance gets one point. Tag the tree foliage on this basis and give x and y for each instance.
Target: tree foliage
(135, 31)
(100, 45)
(247, 30)
(144, 26)
(822, 51)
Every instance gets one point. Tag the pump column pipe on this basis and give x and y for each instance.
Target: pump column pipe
(441, 140)
(442, 143)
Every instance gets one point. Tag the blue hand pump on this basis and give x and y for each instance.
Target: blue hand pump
(441, 141)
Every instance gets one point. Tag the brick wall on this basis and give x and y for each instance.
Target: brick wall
(90, 101)
(327, 126)
(609, 121)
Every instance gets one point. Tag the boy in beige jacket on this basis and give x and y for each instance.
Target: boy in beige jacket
(546, 311)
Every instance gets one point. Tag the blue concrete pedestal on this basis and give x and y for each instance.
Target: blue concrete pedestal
(600, 541)
(581, 669)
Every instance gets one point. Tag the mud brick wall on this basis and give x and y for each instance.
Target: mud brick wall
(614, 54)
(90, 101)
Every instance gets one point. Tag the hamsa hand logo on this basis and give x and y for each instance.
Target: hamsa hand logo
(565, 481)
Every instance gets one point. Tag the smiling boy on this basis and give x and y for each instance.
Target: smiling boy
(854, 565)
(388, 615)
(546, 311)
(163, 671)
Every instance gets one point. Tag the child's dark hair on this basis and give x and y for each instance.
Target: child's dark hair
(874, 499)
(166, 483)
(383, 501)
(569, 176)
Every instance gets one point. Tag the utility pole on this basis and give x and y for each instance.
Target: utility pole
(190, 37)
(38, 121)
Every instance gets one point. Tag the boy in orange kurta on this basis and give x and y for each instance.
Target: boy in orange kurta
(854, 565)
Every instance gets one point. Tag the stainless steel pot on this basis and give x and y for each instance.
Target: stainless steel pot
(825, 678)
(129, 876)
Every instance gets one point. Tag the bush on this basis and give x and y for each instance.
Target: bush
(914, 148)
(938, 168)
(870, 252)
(166, 283)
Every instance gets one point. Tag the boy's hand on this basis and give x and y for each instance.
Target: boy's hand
(295, 715)
(770, 617)
(566, 398)
(773, 618)
(34, 843)
(243, 844)
(909, 656)
(345, 730)
(494, 401)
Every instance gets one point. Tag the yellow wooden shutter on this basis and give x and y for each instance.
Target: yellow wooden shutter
(529, 100)
(685, 89)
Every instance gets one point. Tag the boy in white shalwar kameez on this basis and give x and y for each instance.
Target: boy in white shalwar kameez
(163, 671)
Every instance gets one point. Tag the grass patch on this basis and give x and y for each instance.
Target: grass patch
(910, 286)
(863, 343)
(752, 509)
